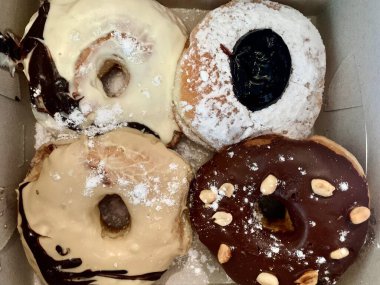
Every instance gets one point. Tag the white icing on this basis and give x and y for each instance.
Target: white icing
(144, 35)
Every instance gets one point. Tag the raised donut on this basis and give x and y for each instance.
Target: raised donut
(107, 210)
(280, 211)
(251, 68)
(93, 65)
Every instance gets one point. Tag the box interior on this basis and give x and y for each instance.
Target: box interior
(350, 116)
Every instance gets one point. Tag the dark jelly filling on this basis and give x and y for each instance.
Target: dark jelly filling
(260, 67)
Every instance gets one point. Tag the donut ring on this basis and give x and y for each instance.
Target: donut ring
(105, 201)
(222, 95)
(108, 66)
(291, 210)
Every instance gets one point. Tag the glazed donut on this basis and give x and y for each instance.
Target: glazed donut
(251, 68)
(94, 65)
(281, 211)
(106, 210)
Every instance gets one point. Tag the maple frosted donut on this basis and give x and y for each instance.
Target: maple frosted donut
(93, 65)
(107, 210)
(251, 68)
(280, 211)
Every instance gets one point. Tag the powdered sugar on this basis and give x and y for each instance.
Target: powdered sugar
(343, 186)
(157, 80)
(343, 235)
(107, 115)
(219, 118)
(139, 194)
(321, 260)
(133, 49)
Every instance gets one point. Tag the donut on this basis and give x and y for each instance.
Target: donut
(105, 210)
(279, 211)
(252, 67)
(94, 65)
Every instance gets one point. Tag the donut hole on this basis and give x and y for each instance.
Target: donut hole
(114, 77)
(114, 216)
(276, 217)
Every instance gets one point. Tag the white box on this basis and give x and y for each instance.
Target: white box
(351, 116)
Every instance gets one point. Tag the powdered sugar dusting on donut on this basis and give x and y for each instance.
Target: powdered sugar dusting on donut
(219, 118)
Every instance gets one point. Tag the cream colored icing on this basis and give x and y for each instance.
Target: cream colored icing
(153, 182)
(147, 38)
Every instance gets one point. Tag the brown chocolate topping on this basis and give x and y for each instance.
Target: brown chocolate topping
(9, 45)
(56, 272)
(321, 225)
(114, 214)
(49, 91)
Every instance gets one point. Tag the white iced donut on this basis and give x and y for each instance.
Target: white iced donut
(106, 210)
(93, 65)
(251, 68)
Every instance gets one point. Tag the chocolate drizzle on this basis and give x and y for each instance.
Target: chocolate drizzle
(316, 224)
(260, 67)
(9, 46)
(52, 270)
(61, 251)
(144, 129)
(49, 91)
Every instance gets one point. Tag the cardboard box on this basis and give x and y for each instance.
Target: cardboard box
(351, 116)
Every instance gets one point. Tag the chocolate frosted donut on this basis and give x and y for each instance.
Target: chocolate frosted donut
(107, 210)
(251, 68)
(93, 65)
(281, 211)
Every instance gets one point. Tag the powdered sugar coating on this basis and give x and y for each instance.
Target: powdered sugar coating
(217, 117)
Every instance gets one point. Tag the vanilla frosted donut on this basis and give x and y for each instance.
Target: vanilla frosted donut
(252, 67)
(95, 64)
(107, 210)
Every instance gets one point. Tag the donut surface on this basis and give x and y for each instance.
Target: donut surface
(107, 210)
(294, 234)
(251, 68)
(93, 65)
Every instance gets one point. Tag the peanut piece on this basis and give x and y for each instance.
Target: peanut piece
(322, 187)
(267, 279)
(228, 189)
(269, 185)
(339, 253)
(222, 218)
(224, 253)
(207, 196)
(359, 215)
(308, 278)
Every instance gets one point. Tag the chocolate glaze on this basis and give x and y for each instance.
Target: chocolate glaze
(260, 67)
(61, 251)
(295, 164)
(9, 45)
(142, 128)
(55, 272)
(49, 91)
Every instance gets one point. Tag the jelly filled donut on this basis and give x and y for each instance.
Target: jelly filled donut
(280, 211)
(107, 210)
(251, 68)
(96, 64)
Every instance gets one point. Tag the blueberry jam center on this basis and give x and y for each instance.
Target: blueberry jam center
(260, 67)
